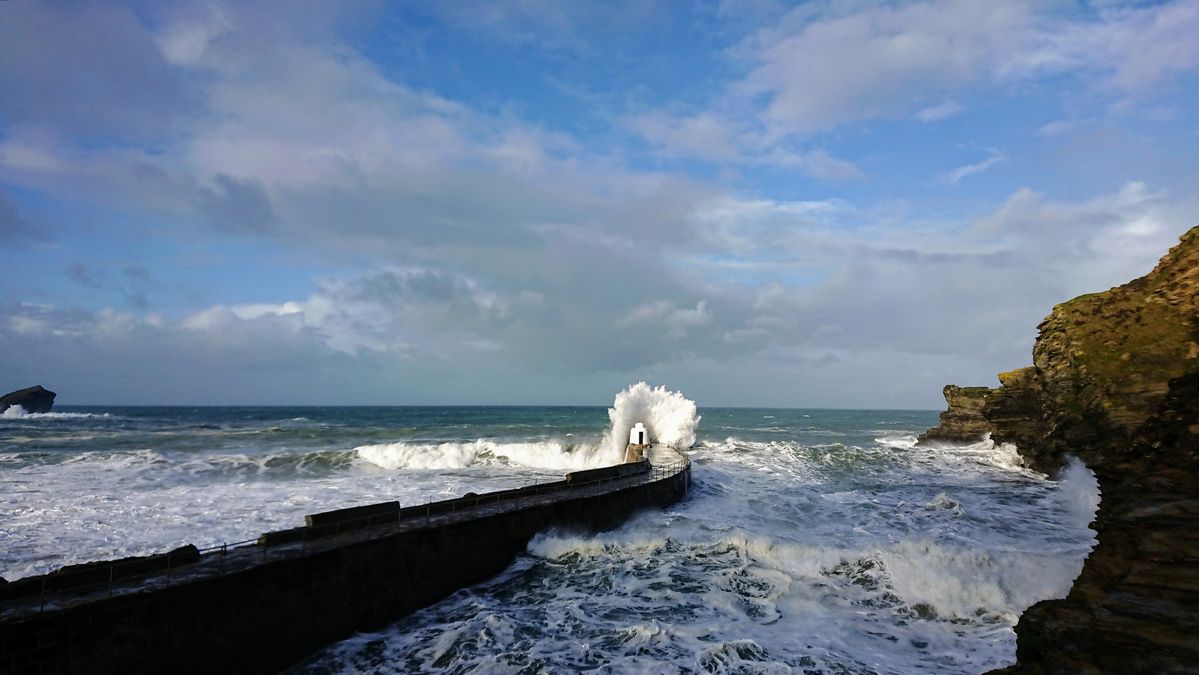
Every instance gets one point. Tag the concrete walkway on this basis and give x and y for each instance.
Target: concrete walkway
(665, 462)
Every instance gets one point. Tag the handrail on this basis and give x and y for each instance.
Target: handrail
(521, 497)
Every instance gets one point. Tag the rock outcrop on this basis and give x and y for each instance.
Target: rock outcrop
(31, 399)
(963, 420)
(1115, 381)
(1015, 413)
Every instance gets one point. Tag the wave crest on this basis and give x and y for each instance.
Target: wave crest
(17, 412)
(551, 455)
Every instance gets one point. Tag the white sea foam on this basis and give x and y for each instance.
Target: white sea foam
(668, 415)
(954, 581)
(1080, 491)
(550, 455)
(17, 412)
(745, 602)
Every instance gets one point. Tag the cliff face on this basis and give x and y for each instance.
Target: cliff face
(1115, 381)
(963, 419)
(1015, 414)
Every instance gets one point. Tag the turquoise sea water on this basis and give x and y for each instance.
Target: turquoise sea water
(813, 540)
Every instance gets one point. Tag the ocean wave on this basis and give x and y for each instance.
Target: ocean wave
(550, 455)
(17, 412)
(148, 464)
(921, 577)
(640, 597)
(669, 416)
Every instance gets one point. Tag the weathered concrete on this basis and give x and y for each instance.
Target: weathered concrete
(263, 607)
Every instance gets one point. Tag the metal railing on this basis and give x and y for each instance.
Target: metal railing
(97, 580)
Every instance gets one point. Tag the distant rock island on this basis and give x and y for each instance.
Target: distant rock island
(31, 399)
(1115, 382)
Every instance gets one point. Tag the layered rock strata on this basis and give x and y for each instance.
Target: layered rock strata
(963, 419)
(1115, 381)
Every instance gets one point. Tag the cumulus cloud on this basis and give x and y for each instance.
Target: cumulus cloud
(470, 250)
(1133, 47)
(923, 303)
(818, 72)
(820, 69)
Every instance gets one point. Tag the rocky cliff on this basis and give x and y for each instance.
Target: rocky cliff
(963, 419)
(1115, 381)
(31, 399)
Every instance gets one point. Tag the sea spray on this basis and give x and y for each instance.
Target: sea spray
(1080, 491)
(669, 416)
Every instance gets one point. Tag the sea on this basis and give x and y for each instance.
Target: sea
(812, 541)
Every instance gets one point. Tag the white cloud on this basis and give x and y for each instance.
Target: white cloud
(1133, 48)
(821, 69)
(702, 136)
(941, 111)
(502, 247)
(1056, 128)
(955, 175)
(247, 312)
(715, 138)
(670, 319)
(184, 41)
(846, 66)
(815, 163)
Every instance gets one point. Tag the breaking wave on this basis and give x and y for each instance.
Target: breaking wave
(17, 412)
(551, 455)
(669, 416)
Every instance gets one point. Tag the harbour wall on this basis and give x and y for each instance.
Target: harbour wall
(266, 616)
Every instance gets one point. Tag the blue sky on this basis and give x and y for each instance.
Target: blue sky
(825, 204)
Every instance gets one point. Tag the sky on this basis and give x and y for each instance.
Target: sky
(758, 203)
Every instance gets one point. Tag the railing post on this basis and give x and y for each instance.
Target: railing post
(168, 570)
(110, 569)
(43, 607)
